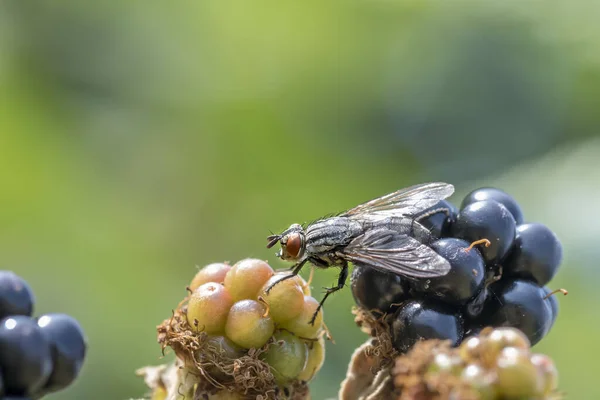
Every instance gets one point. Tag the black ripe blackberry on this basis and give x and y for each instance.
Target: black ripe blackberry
(68, 346)
(494, 194)
(476, 305)
(519, 304)
(439, 218)
(16, 297)
(421, 320)
(466, 275)
(376, 290)
(25, 356)
(536, 254)
(486, 220)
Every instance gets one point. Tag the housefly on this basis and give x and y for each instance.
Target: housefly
(383, 233)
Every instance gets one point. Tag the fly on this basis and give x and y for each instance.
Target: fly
(383, 233)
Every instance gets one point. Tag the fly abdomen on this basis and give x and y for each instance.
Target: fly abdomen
(403, 225)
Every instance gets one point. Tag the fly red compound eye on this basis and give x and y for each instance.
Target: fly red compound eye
(294, 242)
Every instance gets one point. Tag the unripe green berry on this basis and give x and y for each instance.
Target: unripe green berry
(501, 338)
(248, 324)
(470, 348)
(546, 367)
(443, 362)
(304, 285)
(481, 380)
(245, 279)
(517, 377)
(225, 347)
(287, 356)
(300, 325)
(208, 307)
(285, 299)
(211, 273)
(316, 358)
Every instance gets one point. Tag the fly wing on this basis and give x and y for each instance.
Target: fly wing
(408, 201)
(391, 251)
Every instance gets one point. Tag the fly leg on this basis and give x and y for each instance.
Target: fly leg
(295, 270)
(341, 283)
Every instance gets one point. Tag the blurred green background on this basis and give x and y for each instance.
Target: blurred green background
(140, 139)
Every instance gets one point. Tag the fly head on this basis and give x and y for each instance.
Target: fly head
(292, 242)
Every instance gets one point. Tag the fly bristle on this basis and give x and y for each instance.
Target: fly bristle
(273, 239)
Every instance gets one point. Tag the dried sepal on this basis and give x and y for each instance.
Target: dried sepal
(365, 379)
(381, 347)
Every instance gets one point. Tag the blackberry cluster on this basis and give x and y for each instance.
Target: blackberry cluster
(37, 355)
(496, 364)
(499, 268)
(229, 322)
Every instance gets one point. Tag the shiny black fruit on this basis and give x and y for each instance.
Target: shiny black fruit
(497, 195)
(376, 290)
(486, 220)
(466, 276)
(16, 297)
(439, 218)
(422, 320)
(68, 345)
(476, 305)
(536, 254)
(25, 358)
(519, 304)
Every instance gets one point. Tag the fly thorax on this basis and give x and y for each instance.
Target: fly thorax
(328, 234)
(403, 225)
